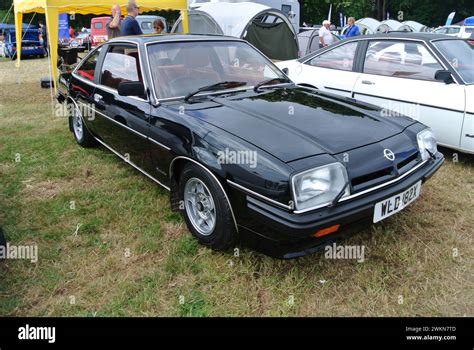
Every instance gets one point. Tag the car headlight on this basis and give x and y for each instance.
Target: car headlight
(318, 187)
(426, 143)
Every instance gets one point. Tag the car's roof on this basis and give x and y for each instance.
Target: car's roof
(406, 35)
(148, 38)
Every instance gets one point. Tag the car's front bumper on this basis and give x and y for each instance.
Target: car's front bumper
(287, 235)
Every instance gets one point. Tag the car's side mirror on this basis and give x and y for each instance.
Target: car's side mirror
(444, 75)
(131, 88)
(285, 70)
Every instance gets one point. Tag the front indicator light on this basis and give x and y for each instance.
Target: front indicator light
(327, 230)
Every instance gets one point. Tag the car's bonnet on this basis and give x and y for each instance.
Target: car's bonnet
(294, 123)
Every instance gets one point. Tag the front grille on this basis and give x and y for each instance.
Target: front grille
(408, 163)
(380, 176)
(372, 176)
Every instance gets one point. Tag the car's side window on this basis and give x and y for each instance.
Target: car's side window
(314, 44)
(87, 68)
(341, 57)
(121, 64)
(400, 59)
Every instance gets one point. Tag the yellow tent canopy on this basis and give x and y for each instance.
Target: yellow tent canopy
(52, 9)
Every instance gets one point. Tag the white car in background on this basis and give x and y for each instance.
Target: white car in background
(463, 32)
(427, 77)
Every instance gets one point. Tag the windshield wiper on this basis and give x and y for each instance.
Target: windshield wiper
(269, 82)
(224, 85)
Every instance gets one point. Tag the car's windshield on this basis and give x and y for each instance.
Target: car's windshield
(179, 68)
(460, 54)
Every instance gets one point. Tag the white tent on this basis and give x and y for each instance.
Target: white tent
(232, 18)
(416, 26)
(388, 25)
(266, 28)
(366, 26)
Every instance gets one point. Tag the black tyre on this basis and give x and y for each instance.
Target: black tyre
(81, 134)
(206, 210)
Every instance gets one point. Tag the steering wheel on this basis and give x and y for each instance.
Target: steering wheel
(180, 85)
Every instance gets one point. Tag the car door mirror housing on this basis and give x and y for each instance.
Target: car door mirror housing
(444, 75)
(131, 88)
(285, 70)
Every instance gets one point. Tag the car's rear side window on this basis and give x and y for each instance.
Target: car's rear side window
(121, 64)
(341, 58)
(87, 68)
(453, 30)
(400, 59)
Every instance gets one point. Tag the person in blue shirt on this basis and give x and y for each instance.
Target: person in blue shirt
(130, 25)
(353, 29)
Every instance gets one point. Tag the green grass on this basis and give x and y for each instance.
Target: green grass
(132, 256)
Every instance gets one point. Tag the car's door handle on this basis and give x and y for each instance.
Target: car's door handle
(97, 97)
(99, 102)
(367, 82)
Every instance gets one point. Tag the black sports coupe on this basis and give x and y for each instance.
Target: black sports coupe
(247, 156)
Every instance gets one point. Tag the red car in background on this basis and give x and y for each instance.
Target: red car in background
(98, 31)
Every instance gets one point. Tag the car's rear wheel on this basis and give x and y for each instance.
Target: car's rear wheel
(206, 210)
(81, 134)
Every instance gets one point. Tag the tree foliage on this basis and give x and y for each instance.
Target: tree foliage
(429, 12)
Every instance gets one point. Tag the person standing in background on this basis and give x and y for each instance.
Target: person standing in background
(130, 25)
(114, 23)
(72, 32)
(158, 26)
(353, 29)
(43, 37)
(325, 36)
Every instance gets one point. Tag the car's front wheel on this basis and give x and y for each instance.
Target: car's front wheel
(81, 134)
(206, 210)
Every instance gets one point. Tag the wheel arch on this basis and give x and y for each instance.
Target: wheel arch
(176, 166)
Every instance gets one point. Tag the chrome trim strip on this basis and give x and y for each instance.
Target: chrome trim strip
(213, 176)
(127, 127)
(159, 144)
(253, 193)
(86, 81)
(131, 163)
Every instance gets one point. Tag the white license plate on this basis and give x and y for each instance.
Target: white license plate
(394, 204)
